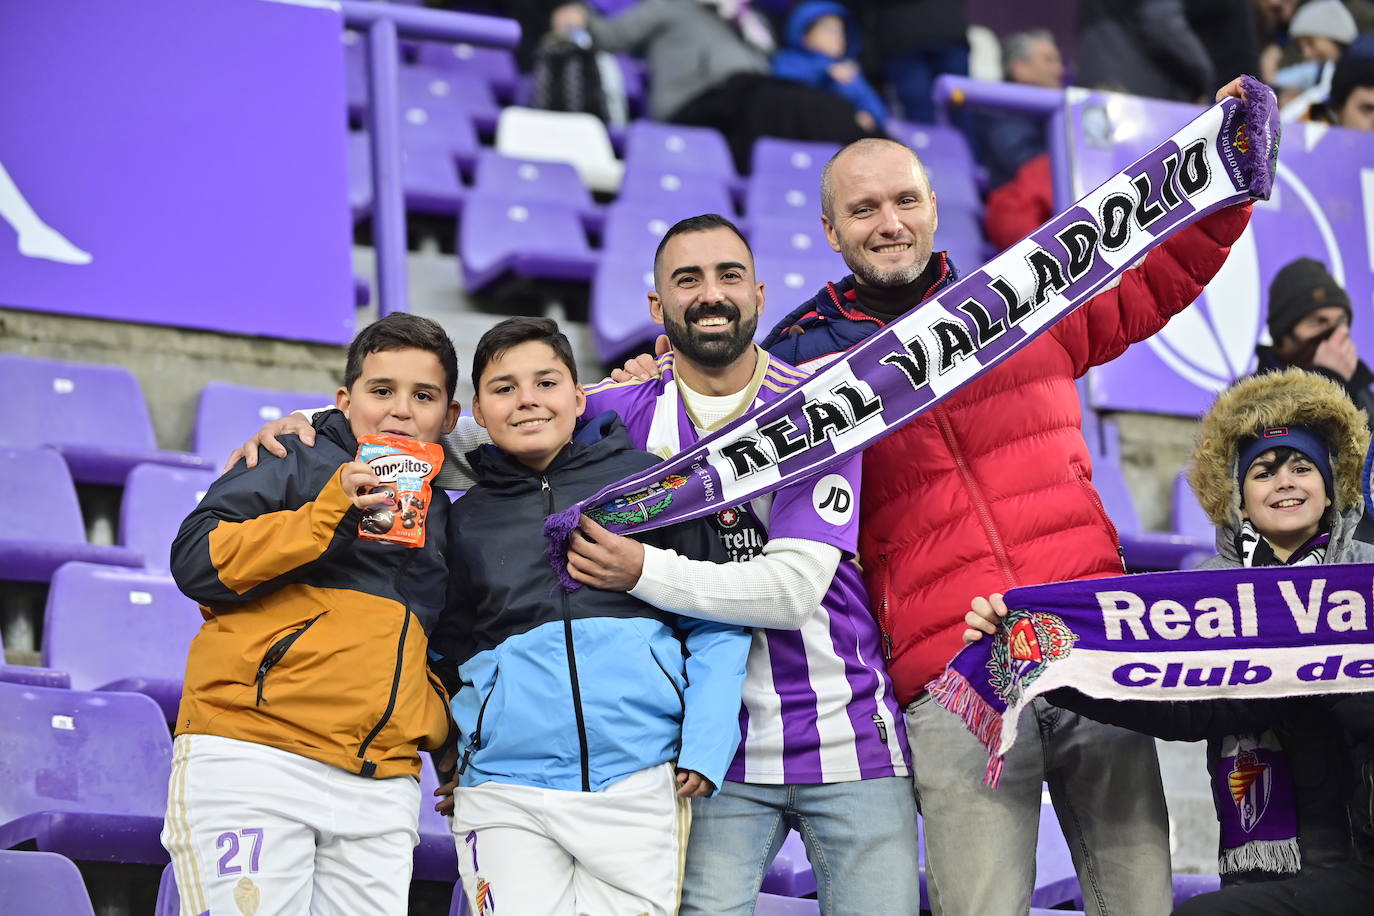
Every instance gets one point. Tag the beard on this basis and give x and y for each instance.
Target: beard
(714, 350)
(855, 258)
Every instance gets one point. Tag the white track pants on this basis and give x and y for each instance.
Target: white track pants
(257, 831)
(543, 852)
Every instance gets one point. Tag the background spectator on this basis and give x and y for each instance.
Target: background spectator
(710, 68)
(1229, 30)
(821, 46)
(917, 40)
(1322, 30)
(1013, 146)
(1351, 103)
(1144, 48)
(1278, 51)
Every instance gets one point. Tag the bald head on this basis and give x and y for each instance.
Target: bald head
(866, 148)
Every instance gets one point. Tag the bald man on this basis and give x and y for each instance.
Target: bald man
(989, 490)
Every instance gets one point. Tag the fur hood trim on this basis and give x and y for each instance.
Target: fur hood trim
(1289, 398)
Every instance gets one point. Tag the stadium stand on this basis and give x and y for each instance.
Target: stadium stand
(227, 414)
(92, 608)
(94, 415)
(657, 147)
(62, 792)
(41, 883)
(156, 499)
(561, 136)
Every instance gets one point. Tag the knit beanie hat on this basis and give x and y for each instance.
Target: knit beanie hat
(1304, 439)
(1298, 290)
(1324, 19)
(1354, 70)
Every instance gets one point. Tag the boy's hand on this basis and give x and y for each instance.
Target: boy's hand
(598, 558)
(447, 766)
(357, 478)
(985, 617)
(692, 784)
(267, 438)
(843, 71)
(643, 366)
(1232, 89)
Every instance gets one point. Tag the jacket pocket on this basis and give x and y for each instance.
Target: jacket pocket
(475, 739)
(1095, 500)
(672, 682)
(275, 652)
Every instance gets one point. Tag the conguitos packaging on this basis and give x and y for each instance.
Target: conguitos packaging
(405, 468)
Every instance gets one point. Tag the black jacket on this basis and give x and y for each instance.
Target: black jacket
(1329, 741)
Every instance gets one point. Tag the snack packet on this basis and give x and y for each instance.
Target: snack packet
(405, 467)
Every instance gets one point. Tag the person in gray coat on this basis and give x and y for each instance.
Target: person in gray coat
(1144, 47)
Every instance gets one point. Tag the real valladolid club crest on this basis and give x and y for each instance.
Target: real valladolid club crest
(1023, 647)
(641, 505)
(1249, 782)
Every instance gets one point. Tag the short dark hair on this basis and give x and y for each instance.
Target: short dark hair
(702, 223)
(403, 331)
(512, 333)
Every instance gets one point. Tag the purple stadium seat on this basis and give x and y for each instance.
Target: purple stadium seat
(530, 179)
(771, 905)
(788, 282)
(94, 415)
(961, 234)
(444, 128)
(1145, 551)
(791, 239)
(619, 308)
(946, 155)
(495, 65)
(435, 87)
(798, 160)
(94, 608)
(227, 414)
(45, 528)
(436, 859)
(1186, 887)
(429, 178)
(699, 192)
(41, 884)
(654, 147)
(782, 197)
(85, 774)
(790, 875)
(355, 72)
(156, 501)
(1189, 519)
(168, 897)
(541, 240)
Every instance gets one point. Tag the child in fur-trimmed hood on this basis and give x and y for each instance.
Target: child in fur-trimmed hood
(1278, 468)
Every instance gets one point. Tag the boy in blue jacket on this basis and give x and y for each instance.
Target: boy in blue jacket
(821, 47)
(586, 719)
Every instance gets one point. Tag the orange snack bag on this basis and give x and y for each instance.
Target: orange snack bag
(405, 467)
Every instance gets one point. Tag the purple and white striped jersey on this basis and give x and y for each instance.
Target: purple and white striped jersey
(818, 703)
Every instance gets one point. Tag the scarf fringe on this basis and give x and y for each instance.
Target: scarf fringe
(952, 692)
(1280, 857)
(557, 530)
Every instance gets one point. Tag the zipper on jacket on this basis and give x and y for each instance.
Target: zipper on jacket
(572, 659)
(274, 652)
(1096, 500)
(681, 700)
(476, 743)
(884, 579)
(999, 550)
(369, 766)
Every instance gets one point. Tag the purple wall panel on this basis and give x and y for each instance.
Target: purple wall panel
(1322, 207)
(194, 149)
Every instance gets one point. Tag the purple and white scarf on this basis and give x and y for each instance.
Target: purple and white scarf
(1277, 631)
(1227, 155)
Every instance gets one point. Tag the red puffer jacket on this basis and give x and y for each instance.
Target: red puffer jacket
(993, 488)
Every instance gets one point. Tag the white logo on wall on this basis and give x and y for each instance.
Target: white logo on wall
(833, 499)
(36, 238)
(1212, 342)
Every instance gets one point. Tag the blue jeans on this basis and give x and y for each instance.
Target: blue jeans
(980, 842)
(912, 73)
(860, 838)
